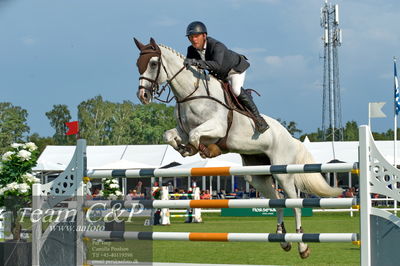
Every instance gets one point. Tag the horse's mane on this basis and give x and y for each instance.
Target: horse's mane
(172, 50)
(179, 55)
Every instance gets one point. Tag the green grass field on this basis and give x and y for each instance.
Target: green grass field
(254, 252)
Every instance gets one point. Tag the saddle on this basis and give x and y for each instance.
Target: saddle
(234, 105)
(233, 102)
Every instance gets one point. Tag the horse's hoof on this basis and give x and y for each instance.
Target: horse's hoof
(203, 149)
(214, 150)
(286, 246)
(306, 253)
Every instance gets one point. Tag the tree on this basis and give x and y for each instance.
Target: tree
(106, 123)
(291, 127)
(13, 124)
(149, 122)
(314, 136)
(351, 131)
(120, 123)
(95, 116)
(58, 116)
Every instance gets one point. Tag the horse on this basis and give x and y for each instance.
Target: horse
(201, 113)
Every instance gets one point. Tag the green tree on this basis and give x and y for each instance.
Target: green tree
(95, 118)
(314, 136)
(120, 122)
(351, 131)
(58, 116)
(13, 125)
(291, 127)
(106, 123)
(149, 122)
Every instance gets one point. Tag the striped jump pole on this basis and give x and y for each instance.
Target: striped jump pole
(235, 203)
(181, 215)
(226, 171)
(181, 195)
(223, 237)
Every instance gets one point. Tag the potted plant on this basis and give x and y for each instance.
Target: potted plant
(16, 180)
(111, 189)
(111, 192)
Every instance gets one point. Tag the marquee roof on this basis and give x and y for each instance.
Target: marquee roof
(56, 158)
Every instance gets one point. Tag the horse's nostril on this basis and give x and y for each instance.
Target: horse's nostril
(145, 95)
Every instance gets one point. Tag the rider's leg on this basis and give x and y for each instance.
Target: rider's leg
(237, 80)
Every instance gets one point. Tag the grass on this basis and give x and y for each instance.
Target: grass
(250, 252)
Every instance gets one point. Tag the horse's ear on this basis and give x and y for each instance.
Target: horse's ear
(139, 45)
(153, 43)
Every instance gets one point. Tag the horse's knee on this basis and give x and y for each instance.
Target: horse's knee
(194, 138)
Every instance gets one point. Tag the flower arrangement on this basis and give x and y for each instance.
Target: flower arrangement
(16, 180)
(111, 189)
(157, 194)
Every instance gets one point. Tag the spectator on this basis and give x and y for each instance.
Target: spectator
(96, 193)
(205, 195)
(252, 193)
(170, 187)
(135, 194)
(139, 187)
(348, 193)
(238, 194)
(221, 194)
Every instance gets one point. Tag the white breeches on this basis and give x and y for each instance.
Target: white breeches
(236, 80)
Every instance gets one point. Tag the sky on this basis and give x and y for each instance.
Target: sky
(68, 51)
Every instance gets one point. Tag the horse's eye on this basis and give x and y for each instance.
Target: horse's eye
(153, 64)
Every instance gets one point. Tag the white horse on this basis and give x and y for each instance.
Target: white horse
(202, 121)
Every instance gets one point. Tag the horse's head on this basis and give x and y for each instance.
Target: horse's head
(149, 64)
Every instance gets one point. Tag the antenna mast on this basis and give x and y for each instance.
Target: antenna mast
(331, 103)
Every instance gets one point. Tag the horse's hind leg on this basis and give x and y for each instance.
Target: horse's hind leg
(265, 185)
(288, 186)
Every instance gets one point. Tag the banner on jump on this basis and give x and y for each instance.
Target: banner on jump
(262, 212)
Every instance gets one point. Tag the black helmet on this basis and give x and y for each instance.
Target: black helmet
(196, 27)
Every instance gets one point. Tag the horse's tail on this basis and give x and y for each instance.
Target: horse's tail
(312, 183)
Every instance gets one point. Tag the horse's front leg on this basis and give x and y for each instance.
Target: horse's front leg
(176, 139)
(211, 129)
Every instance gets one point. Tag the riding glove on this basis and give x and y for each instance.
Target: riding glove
(192, 62)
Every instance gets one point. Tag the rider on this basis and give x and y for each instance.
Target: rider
(208, 53)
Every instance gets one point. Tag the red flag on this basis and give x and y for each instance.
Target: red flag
(73, 128)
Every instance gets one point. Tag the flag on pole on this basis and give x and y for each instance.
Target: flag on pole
(396, 90)
(73, 128)
(375, 110)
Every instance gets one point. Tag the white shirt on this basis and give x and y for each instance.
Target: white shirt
(202, 53)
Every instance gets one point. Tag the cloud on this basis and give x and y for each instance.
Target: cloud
(236, 4)
(28, 41)
(166, 22)
(247, 51)
(292, 61)
(387, 75)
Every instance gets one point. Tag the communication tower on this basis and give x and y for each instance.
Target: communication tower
(331, 106)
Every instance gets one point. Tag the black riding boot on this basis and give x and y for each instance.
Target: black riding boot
(246, 100)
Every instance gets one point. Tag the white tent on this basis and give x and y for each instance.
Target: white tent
(56, 158)
(125, 164)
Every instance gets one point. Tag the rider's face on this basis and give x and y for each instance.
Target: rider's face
(198, 40)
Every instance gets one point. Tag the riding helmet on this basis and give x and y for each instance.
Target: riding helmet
(196, 27)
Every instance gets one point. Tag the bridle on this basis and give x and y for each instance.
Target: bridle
(154, 89)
